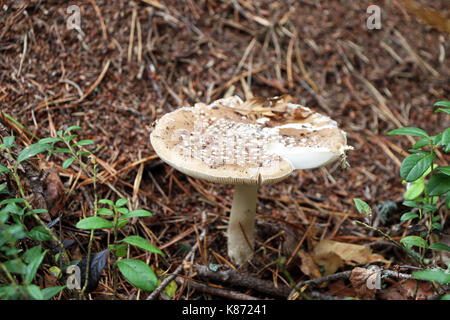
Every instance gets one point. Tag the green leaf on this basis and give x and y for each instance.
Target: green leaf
(427, 208)
(16, 266)
(443, 138)
(121, 223)
(411, 241)
(11, 201)
(143, 244)
(4, 169)
(31, 151)
(439, 247)
(35, 292)
(32, 253)
(49, 140)
(105, 212)
(440, 276)
(437, 139)
(415, 189)
(4, 216)
(33, 267)
(83, 143)
(106, 201)
(409, 131)
(15, 231)
(408, 216)
(121, 250)
(447, 111)
(67, 163)
(60, 150)
(444, 170)
(362, 207)
(40, 234)
(123, 210)
(10, 251)
(9, 141)
(50, 292)
(70, 137)
(436, 225)
(421, 143)
(94, 223)
(72, 128)
(82, 152)
(438, 184)
(414, 166)
(411, 204)
(137, 213)
(121, 202)
(138, 273)
(445, 104)
(12, 292)
(436, 218)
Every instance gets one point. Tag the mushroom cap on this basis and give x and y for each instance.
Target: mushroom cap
(261, 141)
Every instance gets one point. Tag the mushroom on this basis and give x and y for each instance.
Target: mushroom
(246, 144)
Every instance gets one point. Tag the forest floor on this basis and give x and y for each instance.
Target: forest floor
(134, 61)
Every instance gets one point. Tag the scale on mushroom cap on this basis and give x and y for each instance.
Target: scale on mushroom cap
(257, 142)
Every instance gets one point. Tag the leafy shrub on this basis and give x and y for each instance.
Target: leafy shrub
(428, 185)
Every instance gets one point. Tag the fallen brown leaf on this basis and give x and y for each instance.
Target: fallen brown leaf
(332, 255)
(308, 266)
(53, 189)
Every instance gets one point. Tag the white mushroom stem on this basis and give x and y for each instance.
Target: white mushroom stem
(241, 228)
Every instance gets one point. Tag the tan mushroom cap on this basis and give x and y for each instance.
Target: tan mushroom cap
(228, 142)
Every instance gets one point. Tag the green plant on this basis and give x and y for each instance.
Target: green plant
(428, 189)
(136, 272)
(14, 212)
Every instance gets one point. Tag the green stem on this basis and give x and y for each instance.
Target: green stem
(397, 244)
(91, 238)
(115, 275)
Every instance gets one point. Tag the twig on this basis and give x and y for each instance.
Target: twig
(215, 291)
(96, 83)
(25, 46)
(100, 17)
(346, 275)
(331, 277)
(244, 280)
(130, 44)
